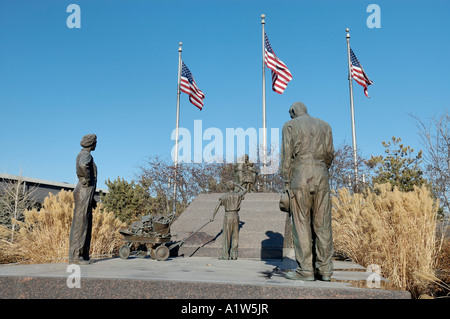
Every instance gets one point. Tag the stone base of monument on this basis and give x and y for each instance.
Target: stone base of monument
(261, 230)
(188, 278)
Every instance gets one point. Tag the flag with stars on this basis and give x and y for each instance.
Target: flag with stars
(280, 73)
(188, 86)
(358, 73)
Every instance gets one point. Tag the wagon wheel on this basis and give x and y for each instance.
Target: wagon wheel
(152, 247)
(161, 253)
(142, 251)
(152, 253)
(124, 252)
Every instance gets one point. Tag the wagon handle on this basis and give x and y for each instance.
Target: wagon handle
(182, 241)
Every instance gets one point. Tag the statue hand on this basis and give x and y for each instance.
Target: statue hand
(84, 182)
(287, 186)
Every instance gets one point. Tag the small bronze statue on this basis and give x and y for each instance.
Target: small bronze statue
(245, 174)
(238, 171)
(81, 228)
(232, 204)
(306, 156)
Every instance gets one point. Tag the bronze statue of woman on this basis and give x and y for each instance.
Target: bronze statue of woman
(81, 229)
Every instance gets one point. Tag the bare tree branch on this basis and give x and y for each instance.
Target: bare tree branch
(435, 138)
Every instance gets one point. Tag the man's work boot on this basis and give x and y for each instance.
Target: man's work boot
(293, 275)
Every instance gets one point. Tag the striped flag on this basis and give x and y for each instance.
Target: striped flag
(188, 86)
(358, 73)
(280, 73)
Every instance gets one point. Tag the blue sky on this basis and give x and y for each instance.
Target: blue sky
(116, 76)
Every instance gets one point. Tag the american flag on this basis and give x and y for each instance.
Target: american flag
(358, 73)
(280, 73)
(189, 86)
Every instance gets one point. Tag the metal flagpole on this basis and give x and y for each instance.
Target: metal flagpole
(355, 160)
(264, 146)
(177, 131)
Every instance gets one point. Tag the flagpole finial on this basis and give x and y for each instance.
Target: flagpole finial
(262, 18)
(179, 49)
(348, 34)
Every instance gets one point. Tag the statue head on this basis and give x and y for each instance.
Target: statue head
(89, 141)
(230, 185)
(297, 109)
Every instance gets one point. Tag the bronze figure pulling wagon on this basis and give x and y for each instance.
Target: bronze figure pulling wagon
(151, 233)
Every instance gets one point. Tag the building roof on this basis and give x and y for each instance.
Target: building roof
(42, 188)
(43, 182)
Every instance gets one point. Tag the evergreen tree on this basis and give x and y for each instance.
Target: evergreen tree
(127, 200)
(399, 166)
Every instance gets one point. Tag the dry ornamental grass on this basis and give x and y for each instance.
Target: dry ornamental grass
(44, 235)
(393, 229)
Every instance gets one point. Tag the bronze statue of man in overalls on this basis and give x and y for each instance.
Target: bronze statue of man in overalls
(232, 204)
(306, 156)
